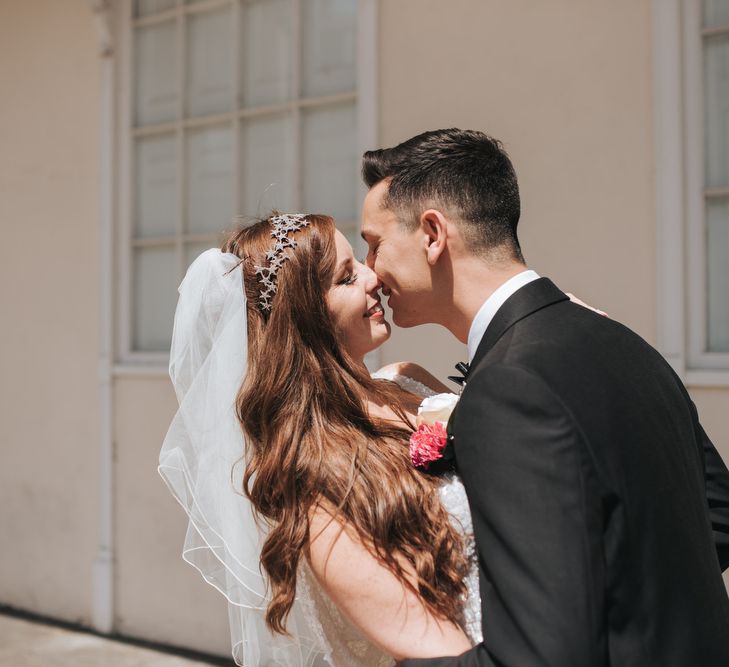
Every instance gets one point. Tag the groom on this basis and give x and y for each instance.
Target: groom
(600, 507)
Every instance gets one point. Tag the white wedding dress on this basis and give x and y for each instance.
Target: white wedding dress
(345, 645)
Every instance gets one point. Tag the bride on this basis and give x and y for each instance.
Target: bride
(292, 461)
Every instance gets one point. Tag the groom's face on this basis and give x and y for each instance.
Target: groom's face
(398, 256)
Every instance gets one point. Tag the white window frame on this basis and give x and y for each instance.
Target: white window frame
(680, 195)
(131, 362)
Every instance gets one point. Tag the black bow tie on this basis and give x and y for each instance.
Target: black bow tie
(463, 368)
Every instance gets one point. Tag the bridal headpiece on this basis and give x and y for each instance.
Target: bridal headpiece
(283, 225)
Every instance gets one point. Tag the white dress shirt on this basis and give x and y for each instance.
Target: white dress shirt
(491, 306)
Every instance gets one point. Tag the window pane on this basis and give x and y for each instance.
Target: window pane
(329, 46)
(209, 63)
(155, 196)
(192, 250)
(716, 12)
(155, 74)
(266, 52)
(267, 165)
(194, 181)
(155, 295)
(209, 179)
(716, 54)
(145, 7)
(330, 162)
(717, 246)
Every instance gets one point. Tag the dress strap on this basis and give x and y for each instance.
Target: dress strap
(406, 383)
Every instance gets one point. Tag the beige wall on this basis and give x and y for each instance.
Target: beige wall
(567, 87)
(159, 596)
(49, 424)
(49, 106)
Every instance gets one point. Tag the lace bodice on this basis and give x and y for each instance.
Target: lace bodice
(346, 645)
(454, 499)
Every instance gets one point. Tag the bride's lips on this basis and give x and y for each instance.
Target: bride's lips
(376, 311)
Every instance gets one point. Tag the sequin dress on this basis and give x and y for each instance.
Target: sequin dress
(347, 647)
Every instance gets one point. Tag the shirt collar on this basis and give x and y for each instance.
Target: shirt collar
(491, 306)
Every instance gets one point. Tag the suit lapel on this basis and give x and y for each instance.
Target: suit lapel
(532, 297)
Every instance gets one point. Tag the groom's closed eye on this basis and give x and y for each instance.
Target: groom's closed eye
(371, 255)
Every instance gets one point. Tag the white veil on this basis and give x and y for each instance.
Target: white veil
(202, 462)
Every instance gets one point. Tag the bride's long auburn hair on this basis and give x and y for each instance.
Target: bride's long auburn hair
(312, 442)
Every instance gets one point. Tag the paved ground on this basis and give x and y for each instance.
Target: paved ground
(30, 644)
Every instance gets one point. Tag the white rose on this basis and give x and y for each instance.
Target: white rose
(436, 408)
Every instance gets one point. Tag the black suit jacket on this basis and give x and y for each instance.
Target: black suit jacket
(600, 507)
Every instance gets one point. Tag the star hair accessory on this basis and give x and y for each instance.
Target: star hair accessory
(283, 225)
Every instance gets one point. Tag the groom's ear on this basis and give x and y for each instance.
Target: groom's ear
(435, 229)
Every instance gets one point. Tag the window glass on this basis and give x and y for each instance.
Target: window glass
(716, 175)
(209, 63)
(266, 51)
(329, 46)
(329, 168)
(267, 165)
(716, 12)
(145, 7)
(717, 246)
(154, 298)
(192, 250)
(155, 74)
(209, 179)
(716, 106)
(155, 167)
(232, 117)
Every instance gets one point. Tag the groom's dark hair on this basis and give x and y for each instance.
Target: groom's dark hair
(464, 171)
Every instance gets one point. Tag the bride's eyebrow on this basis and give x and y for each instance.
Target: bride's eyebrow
(343, 264)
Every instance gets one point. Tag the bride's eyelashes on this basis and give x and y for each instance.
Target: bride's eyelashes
(348, 280)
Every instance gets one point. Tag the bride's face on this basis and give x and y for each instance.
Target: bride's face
(354, 303)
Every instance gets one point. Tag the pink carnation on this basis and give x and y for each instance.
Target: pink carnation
(427, 444)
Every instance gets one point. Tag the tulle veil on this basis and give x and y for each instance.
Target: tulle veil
(203, 458)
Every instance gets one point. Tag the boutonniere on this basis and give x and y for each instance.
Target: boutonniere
(429, 442)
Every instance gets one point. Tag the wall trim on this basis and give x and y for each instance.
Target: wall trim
(669, 184)
(155, 371)
(367, 104)
(102, 613)
(696, 379)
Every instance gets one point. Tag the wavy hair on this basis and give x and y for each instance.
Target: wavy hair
(314, 444)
